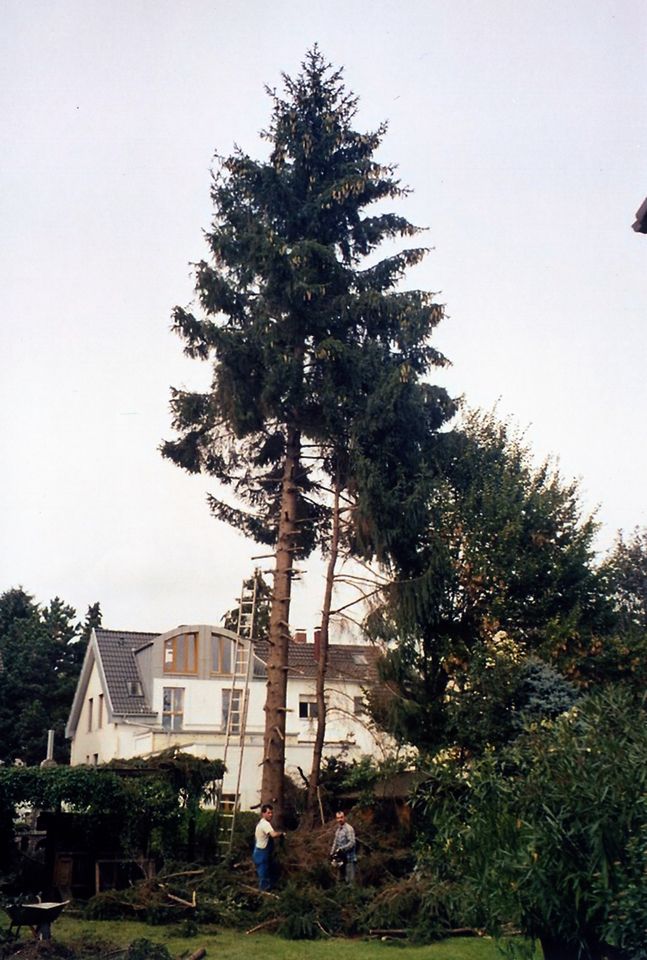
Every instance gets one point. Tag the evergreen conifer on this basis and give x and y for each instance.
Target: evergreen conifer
(314, 345)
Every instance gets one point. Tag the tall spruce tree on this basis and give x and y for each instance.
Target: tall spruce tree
(303, 332)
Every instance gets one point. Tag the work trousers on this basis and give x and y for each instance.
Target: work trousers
(263, 863)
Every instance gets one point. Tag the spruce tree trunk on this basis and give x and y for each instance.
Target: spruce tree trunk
(322, 665)
(279, 632)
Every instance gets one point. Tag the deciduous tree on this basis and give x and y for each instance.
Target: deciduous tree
(619, 655)
(550, 833)
(503, 569)
(626, 572)
(41, 656)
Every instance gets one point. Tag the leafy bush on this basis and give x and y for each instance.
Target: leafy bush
(295, 912)
(340, 777)
(626, 924)
(549, 834)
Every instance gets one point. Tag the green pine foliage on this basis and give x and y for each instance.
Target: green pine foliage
(306, 329)
(231, 618)
(318, 353)
(144, 949)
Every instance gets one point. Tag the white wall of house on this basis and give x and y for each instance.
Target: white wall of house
(202, 731)
(96, 739)
(203, 701)
(344, 724)
(199, 726)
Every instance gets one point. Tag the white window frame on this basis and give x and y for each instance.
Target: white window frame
(238, 706)
(308, 709)
(173, 716)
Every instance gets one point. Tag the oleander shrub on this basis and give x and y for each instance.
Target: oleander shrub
(548, 834)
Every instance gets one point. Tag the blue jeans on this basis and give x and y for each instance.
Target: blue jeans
(263, 863)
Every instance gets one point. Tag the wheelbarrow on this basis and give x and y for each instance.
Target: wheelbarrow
(39, 917)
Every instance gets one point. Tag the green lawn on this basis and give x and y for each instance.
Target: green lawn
(230, 945)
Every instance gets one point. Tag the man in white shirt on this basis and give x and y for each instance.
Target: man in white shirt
(264, 837)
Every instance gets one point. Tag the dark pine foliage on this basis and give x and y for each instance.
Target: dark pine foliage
(318, 354)
(302, 329)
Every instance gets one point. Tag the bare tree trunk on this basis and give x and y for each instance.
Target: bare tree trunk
(322, 664)
(279, 632)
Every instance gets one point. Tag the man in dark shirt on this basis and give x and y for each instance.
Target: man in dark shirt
(343, 851)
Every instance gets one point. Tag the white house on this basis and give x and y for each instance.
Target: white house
(140, 693)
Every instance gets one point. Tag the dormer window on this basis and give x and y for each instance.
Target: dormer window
(222, 654)
(223, 651)
(135, 688)
(181, 653)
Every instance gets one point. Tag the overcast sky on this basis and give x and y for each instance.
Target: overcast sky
(520, 126)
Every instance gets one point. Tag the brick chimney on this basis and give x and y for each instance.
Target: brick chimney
(300, 636)
(317, 643)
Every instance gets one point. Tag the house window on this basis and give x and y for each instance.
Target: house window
(135, 688)
(307, 707)
(181, 653)
(100, 715)
(222, 654)
(173, 708)
(223, 651)
(232, 703)
(90, 705)
(259, 669)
